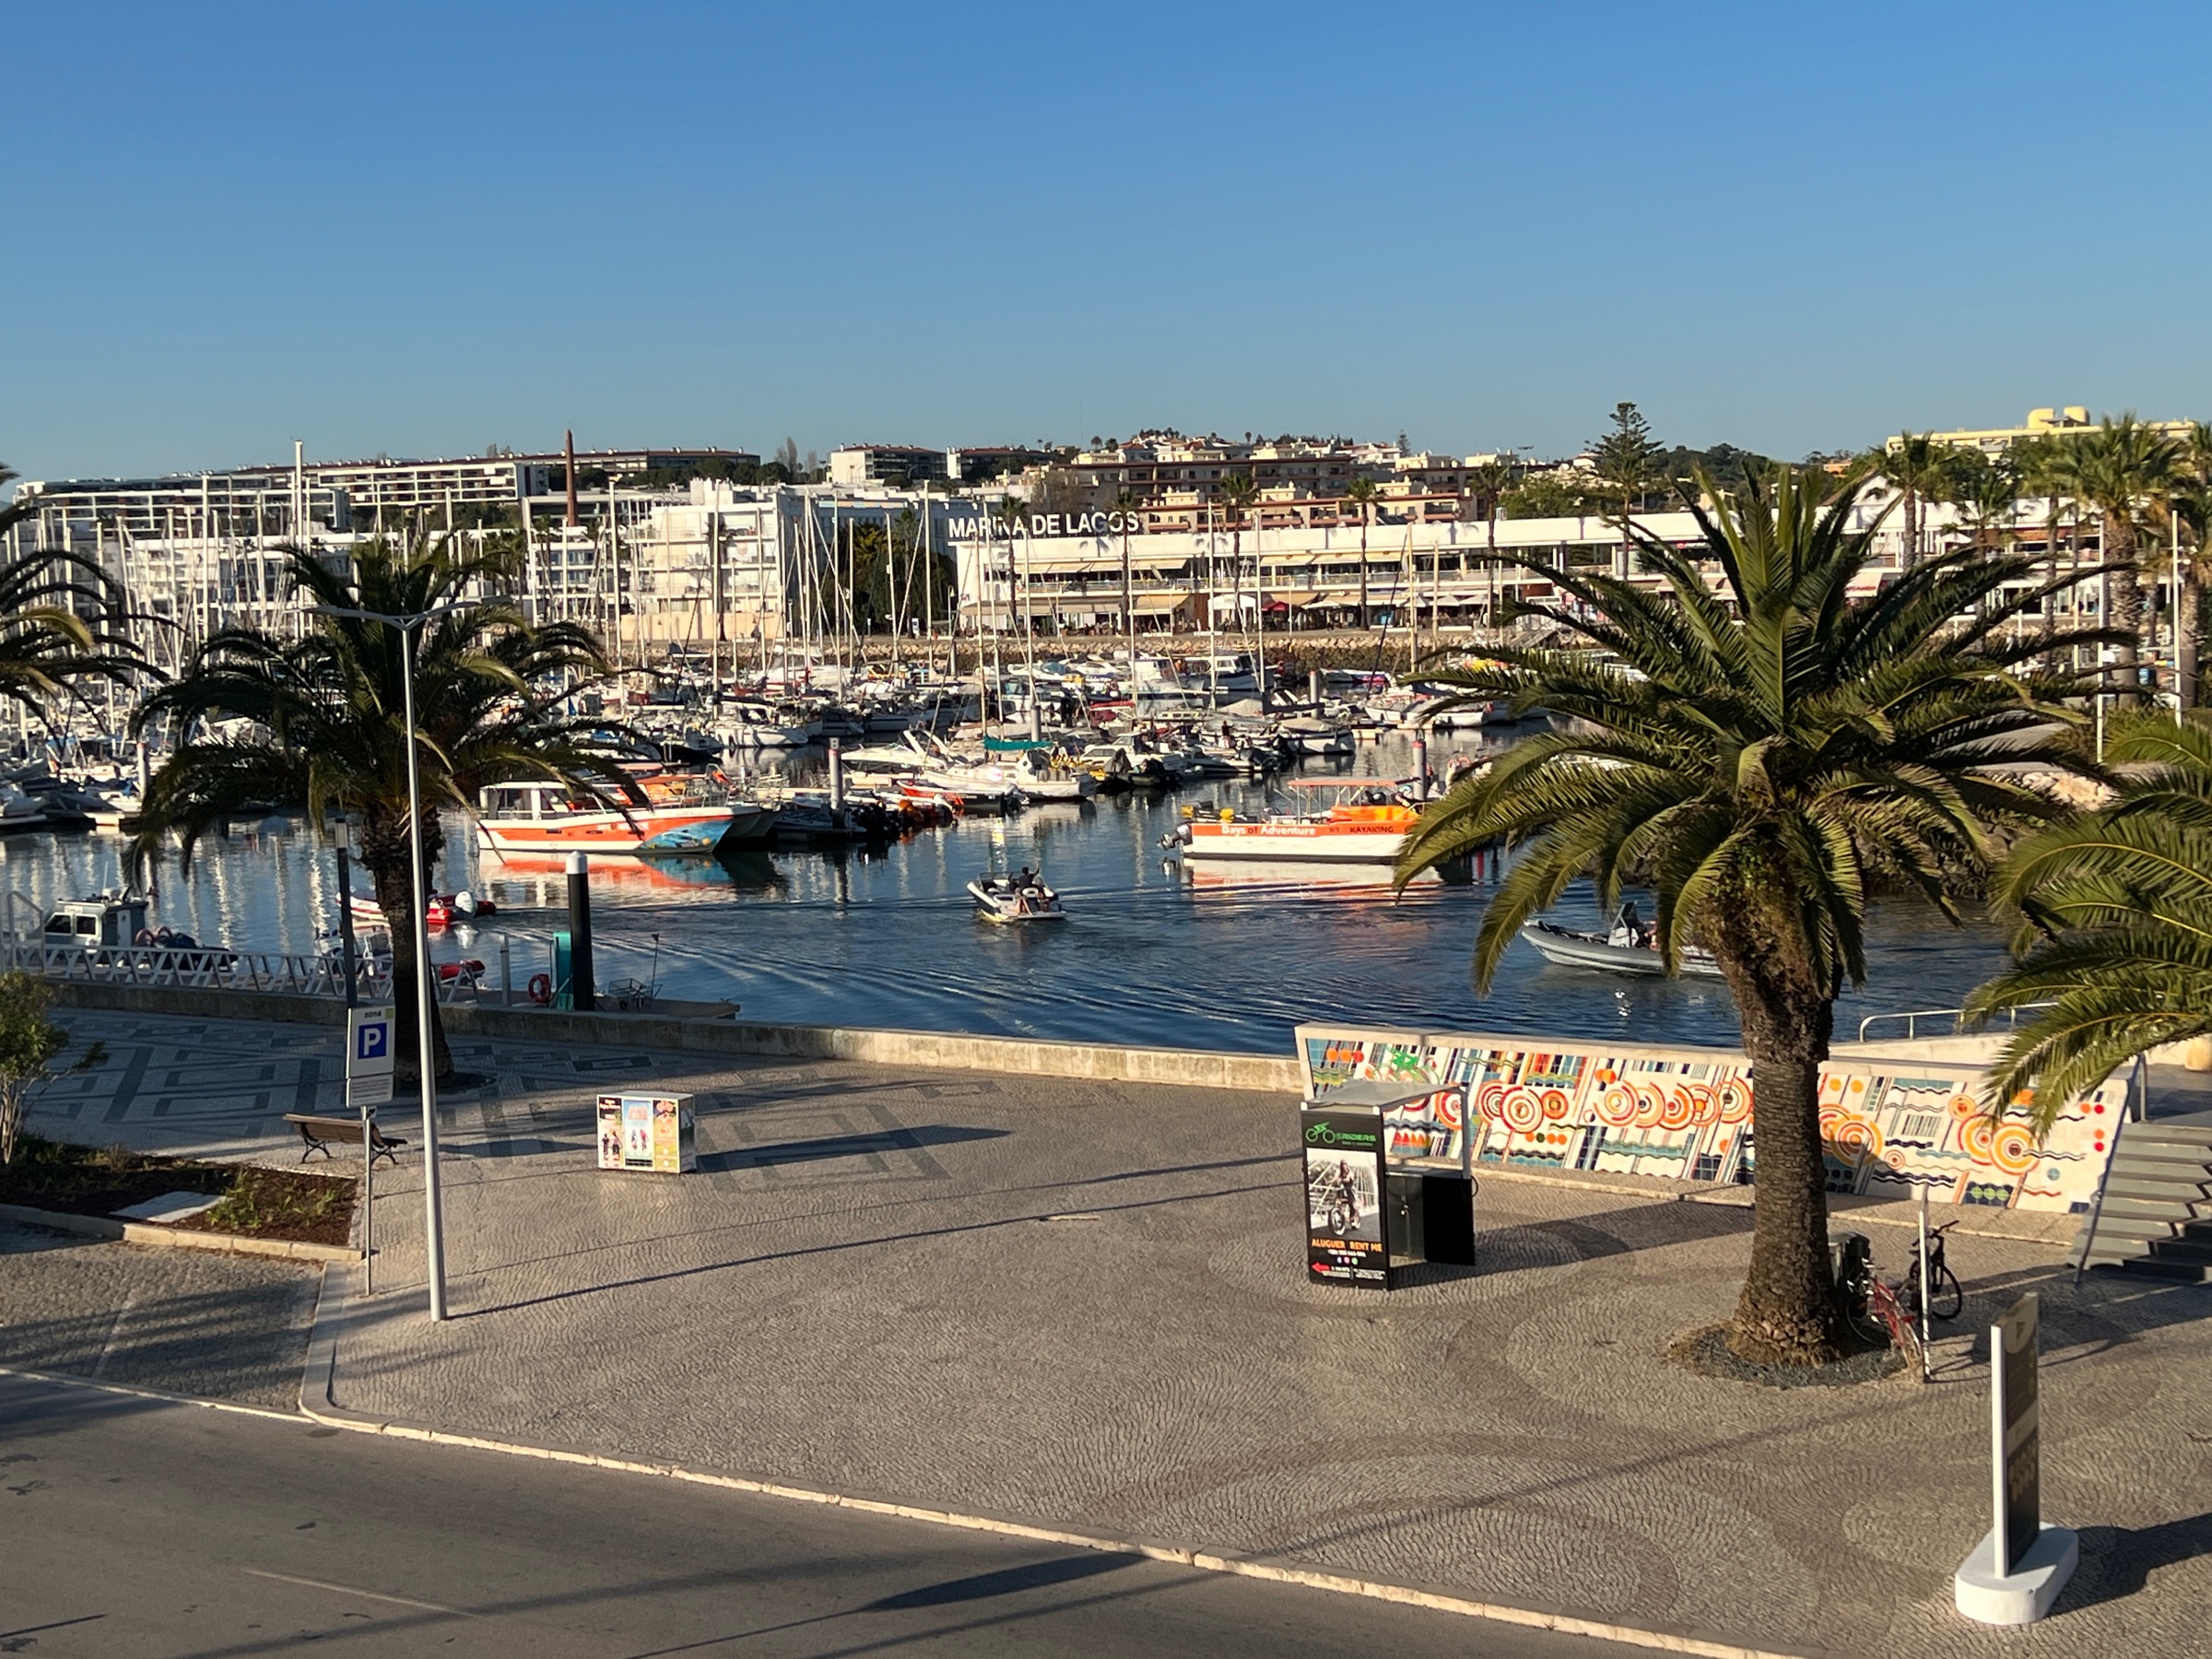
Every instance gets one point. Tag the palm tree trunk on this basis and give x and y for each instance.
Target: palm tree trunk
(2189, 624)
(385, 854)
(1788, 1314)
(2118, 554)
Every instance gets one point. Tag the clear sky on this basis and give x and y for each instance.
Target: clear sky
(423, 229)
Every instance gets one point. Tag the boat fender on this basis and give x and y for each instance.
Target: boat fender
(541, 989)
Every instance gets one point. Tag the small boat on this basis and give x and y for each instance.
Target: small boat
(1601, 952)
(1007, 898)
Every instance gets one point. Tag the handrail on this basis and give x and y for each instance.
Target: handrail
(2138, 1108)
(215, 968)
(1912, 1017)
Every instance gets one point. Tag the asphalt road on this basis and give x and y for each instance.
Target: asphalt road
(132, 1527)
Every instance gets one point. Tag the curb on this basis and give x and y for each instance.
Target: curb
(316, 1404)
(157, 1236)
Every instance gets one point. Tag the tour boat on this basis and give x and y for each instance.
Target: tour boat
(1366, 824)
(1612, 953)
(543, 817)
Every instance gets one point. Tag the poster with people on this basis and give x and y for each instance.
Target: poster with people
(656, 1132)
(1347, 1241)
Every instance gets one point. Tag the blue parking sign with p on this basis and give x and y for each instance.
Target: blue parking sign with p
(370, 1050)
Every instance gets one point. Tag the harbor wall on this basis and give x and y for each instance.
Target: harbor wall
(1891, 1125)
(1183, 1068)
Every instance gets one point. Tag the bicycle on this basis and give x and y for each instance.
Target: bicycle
(1872, 1306)
(1947, 1297)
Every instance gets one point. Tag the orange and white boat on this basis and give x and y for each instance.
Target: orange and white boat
(1366, 824)
(543, 817)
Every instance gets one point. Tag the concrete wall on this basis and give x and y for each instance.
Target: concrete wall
(1187, 1069)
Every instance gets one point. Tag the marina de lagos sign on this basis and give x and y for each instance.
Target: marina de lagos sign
(1040, 524)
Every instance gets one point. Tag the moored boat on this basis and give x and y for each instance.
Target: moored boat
(1366, 824)
(543, 817)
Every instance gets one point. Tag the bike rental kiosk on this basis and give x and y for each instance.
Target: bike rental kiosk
(1390, 1178)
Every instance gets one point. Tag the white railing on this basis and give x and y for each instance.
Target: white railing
(1912, 1019)
(214, 968)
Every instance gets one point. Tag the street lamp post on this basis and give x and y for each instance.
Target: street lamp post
(426, 1057)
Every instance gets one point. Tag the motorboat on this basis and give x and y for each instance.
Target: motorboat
(1010, 899)
(1048, 775)
(1621, 951)
(1311, 735)
(545, 817)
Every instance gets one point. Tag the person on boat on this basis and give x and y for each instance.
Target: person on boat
(1628, 927)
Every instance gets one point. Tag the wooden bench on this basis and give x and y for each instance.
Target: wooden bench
(318, 1134)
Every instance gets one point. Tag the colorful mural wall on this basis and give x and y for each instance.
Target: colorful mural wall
(1890, 1127)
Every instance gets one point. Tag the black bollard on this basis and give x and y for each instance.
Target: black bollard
(580, 935)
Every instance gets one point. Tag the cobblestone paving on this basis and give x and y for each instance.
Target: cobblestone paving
(1082, 1304)
(186, 1322)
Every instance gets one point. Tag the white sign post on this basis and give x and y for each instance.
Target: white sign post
(2017, 1570)
(369, 1061)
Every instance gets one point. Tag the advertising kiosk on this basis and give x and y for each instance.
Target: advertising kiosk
(1390, 1178)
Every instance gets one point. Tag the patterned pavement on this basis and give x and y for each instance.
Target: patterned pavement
(1082, 1304)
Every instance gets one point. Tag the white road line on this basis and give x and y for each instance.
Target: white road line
(286, 1577)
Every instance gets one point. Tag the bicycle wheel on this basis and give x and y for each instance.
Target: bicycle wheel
(1866, 1321)
(1948, 1300)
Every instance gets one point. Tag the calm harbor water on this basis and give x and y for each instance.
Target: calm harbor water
(887, 937)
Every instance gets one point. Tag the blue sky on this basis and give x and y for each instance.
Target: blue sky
(423, 229)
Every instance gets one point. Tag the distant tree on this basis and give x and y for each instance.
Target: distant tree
(787, 457)
(1554, 494)
(30, 1042)
(1627, 460)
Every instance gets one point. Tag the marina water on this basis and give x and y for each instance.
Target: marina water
(887, 937)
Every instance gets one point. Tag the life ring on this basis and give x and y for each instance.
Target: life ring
(541, 989)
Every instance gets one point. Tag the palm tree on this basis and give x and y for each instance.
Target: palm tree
(1914, 463)
(2191, 505)
(2116, 922)
(1363, 493)
(57, 611)
(2050, 467)
(1236, 493)
(2122, 466)
(328, 733)
(1489, 482)
(1771, 750)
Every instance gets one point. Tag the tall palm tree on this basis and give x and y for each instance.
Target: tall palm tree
(1363, 493)
(2123, 467)
(1236, 493)
(328, 730)
(1489, 482)
(58, 620)
(2189, 508)
(2049, 466)
(1771, 751)
(2116, 921)
(1914, 463)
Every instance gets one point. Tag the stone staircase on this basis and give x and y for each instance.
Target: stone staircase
(2157, 1217)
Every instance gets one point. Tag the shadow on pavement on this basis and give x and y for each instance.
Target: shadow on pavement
(1036, 1576)
(845, 1146)
(2118, 1560)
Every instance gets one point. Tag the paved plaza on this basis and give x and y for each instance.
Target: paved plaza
(1082, 1304)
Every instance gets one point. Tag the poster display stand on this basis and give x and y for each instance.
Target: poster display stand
(658, 1133)
(1345, 1243)
(2018, 1569)
(1424, 1179)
